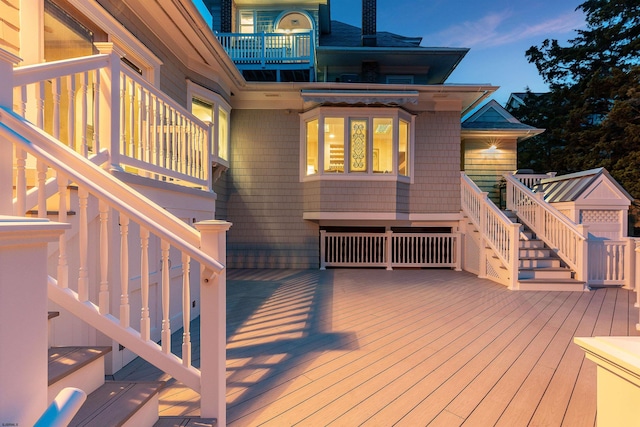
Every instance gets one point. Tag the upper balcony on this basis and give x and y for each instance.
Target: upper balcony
(272, 56)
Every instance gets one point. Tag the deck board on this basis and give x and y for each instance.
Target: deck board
(411, 347)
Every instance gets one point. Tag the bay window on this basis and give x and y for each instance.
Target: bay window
(351, 143)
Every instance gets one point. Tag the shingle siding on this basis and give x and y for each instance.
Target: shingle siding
(265, 195)
(10, 26)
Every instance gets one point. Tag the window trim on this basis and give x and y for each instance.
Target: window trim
(194, 90)
(348, 114)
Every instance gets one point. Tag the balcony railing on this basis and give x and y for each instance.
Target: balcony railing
(265, 49)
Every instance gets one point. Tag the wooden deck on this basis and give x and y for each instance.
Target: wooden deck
(406, 348)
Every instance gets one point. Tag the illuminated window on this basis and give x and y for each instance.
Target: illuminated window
(246, 25)
(375, 142)
(212, 109)
(223, 134)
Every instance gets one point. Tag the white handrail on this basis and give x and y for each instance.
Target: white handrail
(104, 186)
(63, 408)
(498, 231)
(568, 239)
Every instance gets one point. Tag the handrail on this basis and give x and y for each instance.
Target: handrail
(499, 232)
(63, 408)
(151, 133)
(269, 48)
(568, 239)
(100, 183)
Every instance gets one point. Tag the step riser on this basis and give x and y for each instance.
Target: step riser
(535, 253)
(531, 244)
(542, 274)
(539, 263)
(88, 378)
(147, 415)
(551, 287)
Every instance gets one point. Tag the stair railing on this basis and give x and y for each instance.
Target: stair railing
(567, 239)
(497, 231)
(94, 103)
(135, 214)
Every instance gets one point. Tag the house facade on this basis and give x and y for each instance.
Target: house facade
(139, 131)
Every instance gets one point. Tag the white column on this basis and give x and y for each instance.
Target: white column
(23, 316)
(213, 316)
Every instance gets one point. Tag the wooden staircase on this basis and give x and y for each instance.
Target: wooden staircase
(540, 269)
(109, 403)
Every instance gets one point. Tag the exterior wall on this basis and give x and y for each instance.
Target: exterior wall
(356, 196)
(486, 167)
(10, 26)
(436, 170)
(265, 195)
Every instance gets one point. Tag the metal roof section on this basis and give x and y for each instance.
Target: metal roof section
(572, 187)
(492, 117)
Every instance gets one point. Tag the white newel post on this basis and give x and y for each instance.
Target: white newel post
(514, 255)
(109, 102)
(583, 254)
(213, 330)
(482, 268)
(323, 243)
(23, 317)
(7, 62)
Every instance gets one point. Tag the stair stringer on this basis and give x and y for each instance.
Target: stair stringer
(494, 267)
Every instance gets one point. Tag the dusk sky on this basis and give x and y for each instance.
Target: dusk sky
(498, 32)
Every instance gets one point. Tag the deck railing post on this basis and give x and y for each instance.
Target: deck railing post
(323, 246)
(582, 255)
(7, 62)
(109, 102)
(514, 256)
(389, 249)
(457, 239)
(213, 335)
(482, 270)
(629, 264)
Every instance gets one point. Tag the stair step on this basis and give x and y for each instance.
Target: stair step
(120, 403)
(533, 244)
(548, 273)
(535, 252)
(540, 262)
(569, 285)
(185, 422)
(81, 367)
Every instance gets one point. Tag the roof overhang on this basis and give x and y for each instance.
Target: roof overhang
(519, 134)
(414, 98)
(437, 63)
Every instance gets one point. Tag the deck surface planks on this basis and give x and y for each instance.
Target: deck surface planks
(404, 347)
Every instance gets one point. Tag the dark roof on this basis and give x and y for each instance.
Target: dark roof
(492, 116)
(497, 125)
(345, 35)
(568, 188)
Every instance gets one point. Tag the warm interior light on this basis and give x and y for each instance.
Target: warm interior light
(310, 170)
(493, 147)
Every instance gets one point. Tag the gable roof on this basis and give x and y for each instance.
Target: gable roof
(493, 117)
(581, 185)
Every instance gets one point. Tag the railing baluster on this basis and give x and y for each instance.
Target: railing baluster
(56, 89)
(123, 115)
(41, 168)
(21, 182)
(63, 266)
(71, 112)
(145, 321)
(97, 144)
(125, 308)
(83, 236)
(132, 120)
(104, 294)
(166, 323)
(84, 147)
(186, 311)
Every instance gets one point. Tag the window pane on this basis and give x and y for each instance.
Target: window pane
(358, 145)
(403, 148)
(383, 145)
(334, 144)
(246, 22)
(312, 147)
(223, 134)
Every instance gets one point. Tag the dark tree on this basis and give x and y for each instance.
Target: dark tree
(592, 112)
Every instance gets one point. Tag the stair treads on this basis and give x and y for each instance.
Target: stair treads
(185, 422)
(64, 361)
(115, 402)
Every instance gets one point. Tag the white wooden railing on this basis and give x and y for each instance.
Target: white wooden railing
(126, 217)
(269, 48)
(94, 103)
(567, 239)
(338, 249)
(530, 180)
(497, 231)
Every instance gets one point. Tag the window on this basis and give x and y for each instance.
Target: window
(350, 143)
(210, 107)
(246, 25)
